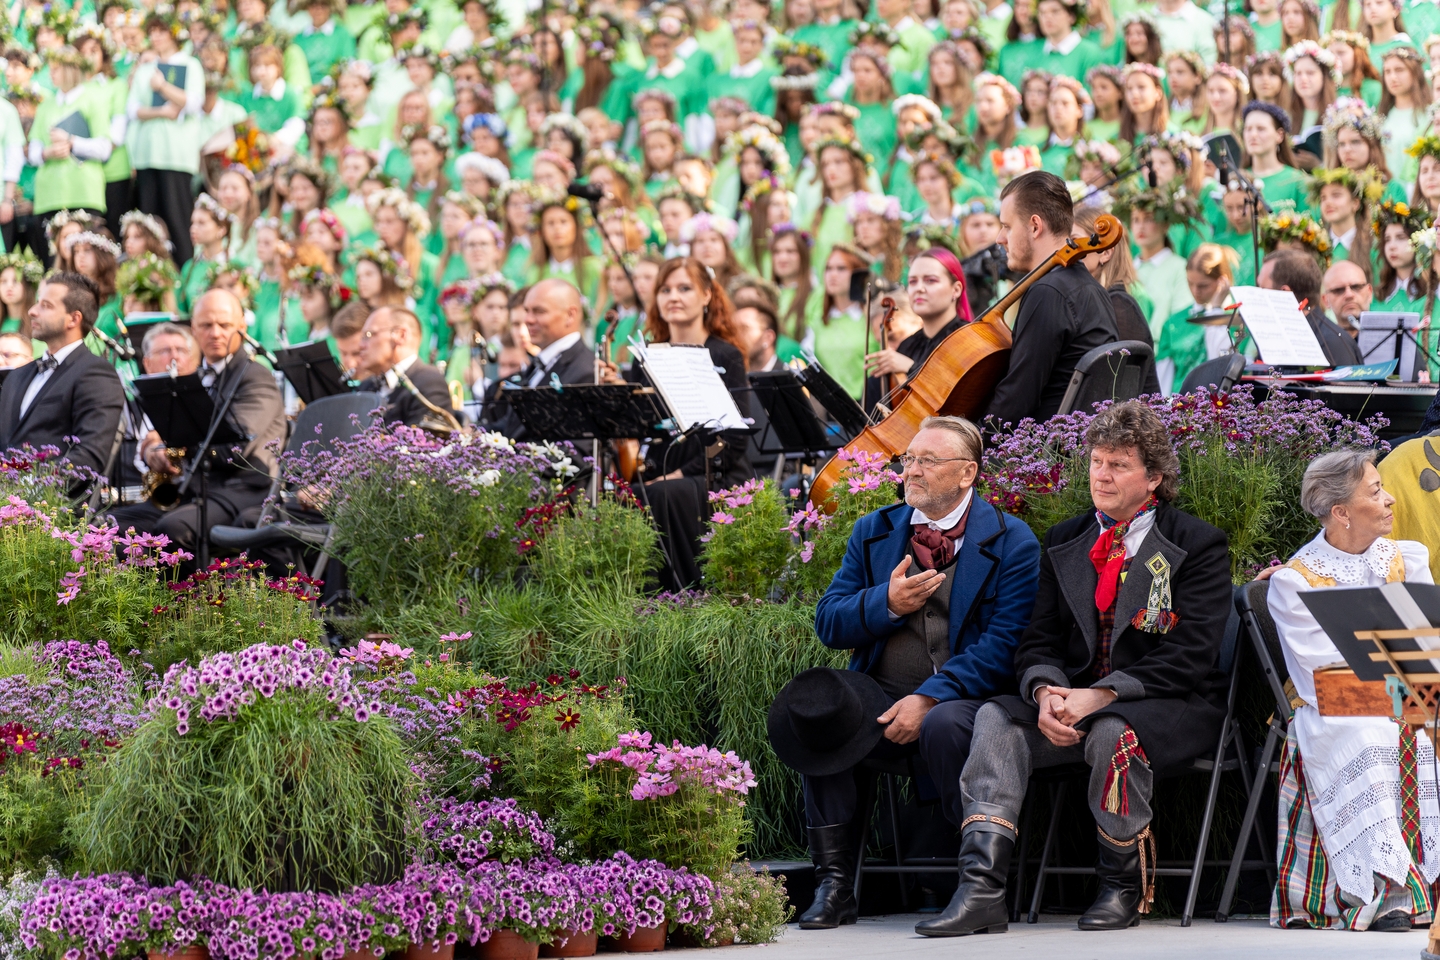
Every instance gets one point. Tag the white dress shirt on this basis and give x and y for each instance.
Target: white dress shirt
(43, 376)
(392, 379)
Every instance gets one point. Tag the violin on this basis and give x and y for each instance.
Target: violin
(887, 319)
(960, 375)
(627, 450)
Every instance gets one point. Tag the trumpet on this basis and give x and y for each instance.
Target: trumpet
(438, 420)
(160, 488)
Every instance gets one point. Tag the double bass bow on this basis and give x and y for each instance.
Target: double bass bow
(960, 375)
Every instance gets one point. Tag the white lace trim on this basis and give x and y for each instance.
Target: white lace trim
(1320, 558)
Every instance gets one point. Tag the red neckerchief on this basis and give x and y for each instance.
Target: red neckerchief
(1108, 553)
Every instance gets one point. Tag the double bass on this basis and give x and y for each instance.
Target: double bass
(960, 375)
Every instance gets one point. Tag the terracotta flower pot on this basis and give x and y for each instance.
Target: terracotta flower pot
(196, 951)
(434, 950)
(574, 945)
(366, 954)
(643, 940)
(507, 945)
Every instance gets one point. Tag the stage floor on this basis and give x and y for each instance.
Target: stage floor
(894, 936)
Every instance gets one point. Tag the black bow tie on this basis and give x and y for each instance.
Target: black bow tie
(47, 363)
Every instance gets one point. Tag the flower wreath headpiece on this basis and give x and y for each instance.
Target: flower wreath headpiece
(150, 224)
(1274, 111)
(94, 240)
(1007, 89)
(570, 124)
(148, 277)
(1296, 227)
(63, 218)
(1365, 186)
(1148, 69)
(389, 264)
(212, 206)
(1399, 213)
(1352, 112)
(860, 202)
(772, 151)
(702, 222)
(330, 221)
(29, 269)
(1235, 75)
(786, 228)
(1350, 38)
(1313, 50)
(437, 135)
(411, 212)
(927, 106)
(850, 146)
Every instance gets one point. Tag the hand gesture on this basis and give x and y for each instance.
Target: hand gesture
(609, 373)
(884, 362)
(1051, 701)
(157, 81)
(904, 717)
(1079, 704)
(908, 594)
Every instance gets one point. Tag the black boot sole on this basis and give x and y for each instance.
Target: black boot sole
(812, 925)
(1095, 926)
(993, 928)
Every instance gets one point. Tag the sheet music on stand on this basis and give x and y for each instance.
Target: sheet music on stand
(1280, 330)
(1344, 611)
(1378, 333)
(312, 370)
(686, 379)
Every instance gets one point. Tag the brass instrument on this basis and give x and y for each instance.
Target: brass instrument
(160, 488)
(438, 420)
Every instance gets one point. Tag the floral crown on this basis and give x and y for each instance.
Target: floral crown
(488, 283)
(786, 229)
(330, 222)
(760, 188)
(1149, 69)
(1061, 81)
(437, 135)
(411, 212)
(491, 122)
(944, 164)
(212, 206)
(418, 51)
(312, 171)
(733, 105)
(250, 36)
(510, 188)
(836, 108)
(850, 146)
(490, 167)
(564, 163)
(652, 93)
(68, 56)
(328, 99)
(1170, 205)
(795, 81)
(621, 165)
(1404, 53)
(1350, 38)
(814, 56)
(878, 204)
(702, 222)
(1007, 89)
(1193, 59)
(772, 151)
(56, 17)
(92, 240)
(931, 235)
(549, 199)
(148, 277)
(672, 130)
(1144, 17)
(1236, 22)
(29, 269)
(1398, 213)
(1109, 71)
(357, 68)
(1424, 243)
(28, 58)
(1426, 145)
(243, 283)
(1181, 145)
(672, 27)
(471, 205)
(151, 224)
(1295, 227)
(389, 264)
(1035, 73)
(396, 22)
(482, 222)
(1235, 75)
(924, 104)
(1275, 112)
(463, 291)
(571, 126)
(523, 55)
(973, 35)
(878, 31)
(1352, 112)
(1365, 186)
(1079, 10)
(1313, 50)
(881, 61)
(63, 218)
(600, 37)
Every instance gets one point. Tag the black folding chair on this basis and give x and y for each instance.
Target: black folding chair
(1112, 371)
(1227, 757)
(890, 772)
(1251, 600)
(1216, 376)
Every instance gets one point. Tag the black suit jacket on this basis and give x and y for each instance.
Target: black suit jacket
(1130, 324)
(402, 406)
(574, 365)
(1340, 348)
(257, 410)
(83, 399)
(1169, 687)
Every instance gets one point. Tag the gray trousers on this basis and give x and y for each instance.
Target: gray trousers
(1004, 751)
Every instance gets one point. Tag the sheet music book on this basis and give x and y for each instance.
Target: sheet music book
(1280, 330)
(1378, 333)
(74, 124)
(1311, 140)
(685, 377)
(174, 74)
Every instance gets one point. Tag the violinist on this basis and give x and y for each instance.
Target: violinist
(691, 309)
(936, 291)
(1062, 316)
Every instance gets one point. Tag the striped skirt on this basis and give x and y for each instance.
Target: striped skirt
(1306, 894)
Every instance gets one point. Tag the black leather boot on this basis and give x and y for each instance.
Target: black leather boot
(1120, 871)
(979, 902)
(833, 851)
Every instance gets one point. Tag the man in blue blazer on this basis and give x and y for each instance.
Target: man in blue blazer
(932, 597)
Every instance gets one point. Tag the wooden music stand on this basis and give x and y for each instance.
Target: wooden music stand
(1410, 696)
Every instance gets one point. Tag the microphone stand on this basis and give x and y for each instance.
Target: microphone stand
(1254, 202)
(202, 462)
(1112, 177)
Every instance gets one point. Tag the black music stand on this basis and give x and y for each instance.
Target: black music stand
(589, 411)
(839, 404)
(793, 422)
(183, 413)
(136, 325)
(312, 371)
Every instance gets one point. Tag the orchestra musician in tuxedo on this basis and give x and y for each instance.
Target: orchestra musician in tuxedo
(554, 314)
(239, 475)
(1064, 315)
(389, 355)
(68, 392)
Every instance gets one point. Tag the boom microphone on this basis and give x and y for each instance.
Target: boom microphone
(586, 191)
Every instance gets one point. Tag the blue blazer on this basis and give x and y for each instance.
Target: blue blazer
(991, 596)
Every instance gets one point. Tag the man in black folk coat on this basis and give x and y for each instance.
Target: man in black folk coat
(68, 392)
(1117, 670)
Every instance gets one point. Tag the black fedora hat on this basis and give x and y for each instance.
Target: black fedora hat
(824, 720)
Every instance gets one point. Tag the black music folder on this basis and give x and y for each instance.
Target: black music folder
(174, 74)
(74, 124)
(793, 426)
(839, 404)
(180, 409)
(312, 371)
(1344, 611)
(589, 411)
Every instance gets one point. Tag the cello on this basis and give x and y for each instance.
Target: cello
(960, 375)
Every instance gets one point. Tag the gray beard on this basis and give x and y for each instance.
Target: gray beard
(927, 503)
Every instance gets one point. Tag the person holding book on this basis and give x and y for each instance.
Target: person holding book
(69, 141)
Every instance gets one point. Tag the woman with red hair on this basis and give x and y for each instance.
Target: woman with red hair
(689, 310)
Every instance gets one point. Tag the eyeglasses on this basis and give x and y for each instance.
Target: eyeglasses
(928, 463)
(1347, 288)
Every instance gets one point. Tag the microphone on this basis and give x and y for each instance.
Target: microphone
(586, 191)
(259, 348)
(122, 349)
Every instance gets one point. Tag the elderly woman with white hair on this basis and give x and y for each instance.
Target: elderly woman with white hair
(1346, 860)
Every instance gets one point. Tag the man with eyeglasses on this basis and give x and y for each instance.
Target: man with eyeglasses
(931, 600)
(1297, 271)
(1346, 293)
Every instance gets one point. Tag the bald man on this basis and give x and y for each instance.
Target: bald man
(553, 318)
(239, 475)
(1346, 293)
(389, 347)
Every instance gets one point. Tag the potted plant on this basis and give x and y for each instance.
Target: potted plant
(520, 906)
(99, 917)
